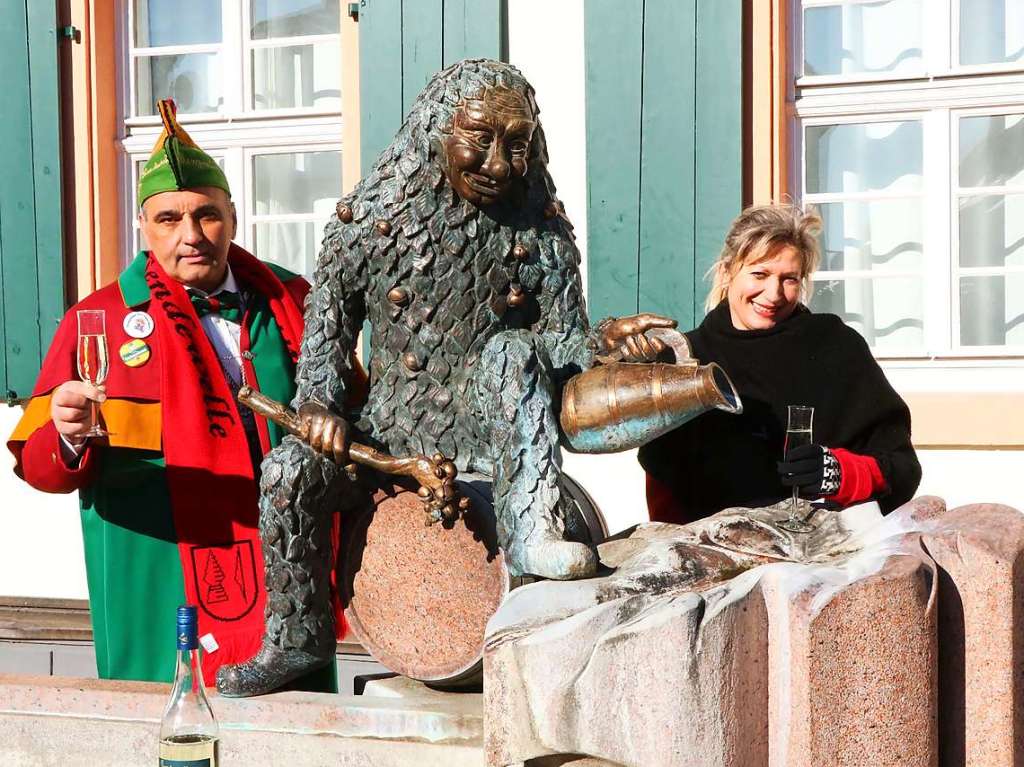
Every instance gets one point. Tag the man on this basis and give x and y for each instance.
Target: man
(169, 498)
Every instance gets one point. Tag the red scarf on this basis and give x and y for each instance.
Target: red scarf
(209, 472)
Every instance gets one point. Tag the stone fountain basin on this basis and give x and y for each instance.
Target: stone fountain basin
(730, 641)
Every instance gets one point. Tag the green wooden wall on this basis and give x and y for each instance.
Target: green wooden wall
(664, 150)
(402, 43)
(31, 259)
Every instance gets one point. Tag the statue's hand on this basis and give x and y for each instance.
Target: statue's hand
(326, 433)
(627, 335)
(436, 476)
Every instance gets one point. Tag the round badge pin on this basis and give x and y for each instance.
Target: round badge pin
(135, 353)
(138, 325)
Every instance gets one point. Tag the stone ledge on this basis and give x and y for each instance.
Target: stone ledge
(44, 719)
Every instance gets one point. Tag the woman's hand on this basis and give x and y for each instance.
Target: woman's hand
(326, 432)
(627, 335)
(813, 469)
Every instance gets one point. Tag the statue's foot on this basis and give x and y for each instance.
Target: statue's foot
(270, 669)
(553, 558)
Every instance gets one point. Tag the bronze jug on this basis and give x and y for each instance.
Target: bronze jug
(619, 406)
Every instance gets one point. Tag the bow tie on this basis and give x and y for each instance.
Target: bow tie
(226, 304)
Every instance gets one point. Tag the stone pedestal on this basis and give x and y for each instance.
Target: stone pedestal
(980, 552)
(728, 643)
(852, 663)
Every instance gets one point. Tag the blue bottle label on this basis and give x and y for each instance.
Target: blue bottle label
(186, 763)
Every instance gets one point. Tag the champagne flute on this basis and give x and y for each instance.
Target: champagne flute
(92, 357)
(798, 433)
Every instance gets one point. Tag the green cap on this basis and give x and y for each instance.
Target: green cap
(177, 161)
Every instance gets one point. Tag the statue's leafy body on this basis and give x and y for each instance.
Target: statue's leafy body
(456, 249)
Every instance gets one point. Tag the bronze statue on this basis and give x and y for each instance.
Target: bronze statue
(457, 250)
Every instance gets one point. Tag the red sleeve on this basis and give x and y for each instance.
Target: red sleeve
(39, 462)
(298, 288)
(662, 505)
(861, 478)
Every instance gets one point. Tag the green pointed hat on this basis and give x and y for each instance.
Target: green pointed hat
(177, 161)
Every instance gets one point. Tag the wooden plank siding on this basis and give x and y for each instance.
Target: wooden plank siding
(380, 77)
(664, 150)
(31, 236)
(402, 43)
(613, 43)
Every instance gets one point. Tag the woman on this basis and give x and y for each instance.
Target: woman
(778, 353)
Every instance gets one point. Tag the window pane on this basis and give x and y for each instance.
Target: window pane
(296, 76)
(888, 312)
(293, 244)
(299, 182)
(992, 230)
(292, 18)
(882, 235)
(991, 31)
(992, 150)
(862, 38)
(191, 79)
(992, 310)
(864, 157)
(177, 22)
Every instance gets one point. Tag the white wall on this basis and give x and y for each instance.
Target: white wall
(41, 548)
(973, 476)
(545, 40)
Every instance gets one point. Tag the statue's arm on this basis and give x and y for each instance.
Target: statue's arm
(563, 323)
(335, 311)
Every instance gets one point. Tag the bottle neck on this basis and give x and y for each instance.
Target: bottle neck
(188, 671)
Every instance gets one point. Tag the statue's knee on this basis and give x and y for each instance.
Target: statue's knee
(282, 467)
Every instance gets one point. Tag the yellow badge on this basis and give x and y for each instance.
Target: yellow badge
(135, 353)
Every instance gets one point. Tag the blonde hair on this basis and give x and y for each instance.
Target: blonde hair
(756, 234)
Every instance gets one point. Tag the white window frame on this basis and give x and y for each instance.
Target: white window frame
(236, 133)
(938, 96)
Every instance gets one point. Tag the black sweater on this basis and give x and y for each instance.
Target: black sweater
(720, 460)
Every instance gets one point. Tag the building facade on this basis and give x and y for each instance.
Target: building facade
(901, 120)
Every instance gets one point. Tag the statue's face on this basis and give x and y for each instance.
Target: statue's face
(489, 145)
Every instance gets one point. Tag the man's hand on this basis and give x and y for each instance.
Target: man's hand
(71, 409)
(325, 432)
(627, 335)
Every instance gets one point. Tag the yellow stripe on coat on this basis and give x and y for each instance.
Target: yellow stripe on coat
(130, 423)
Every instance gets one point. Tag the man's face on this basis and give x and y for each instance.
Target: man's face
(489, 145)
(189, 233)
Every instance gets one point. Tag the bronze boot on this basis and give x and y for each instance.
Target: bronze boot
(298, 496)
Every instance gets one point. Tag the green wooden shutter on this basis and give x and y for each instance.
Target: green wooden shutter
(31, 258)
(402, 43)
(664, 150)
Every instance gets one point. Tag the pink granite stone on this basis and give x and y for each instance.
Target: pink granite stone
(852, 658)
(668, 678)
(418, 597)
(980, 551)
(729, 641)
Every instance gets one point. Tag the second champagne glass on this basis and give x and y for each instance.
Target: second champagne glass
(92, 357)
(799, 432)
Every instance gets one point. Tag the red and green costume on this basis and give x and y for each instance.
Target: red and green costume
(168, 500)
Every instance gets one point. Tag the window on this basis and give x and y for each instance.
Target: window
(258, 86)
(909, 139)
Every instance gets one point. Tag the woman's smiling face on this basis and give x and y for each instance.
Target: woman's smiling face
(764, 293)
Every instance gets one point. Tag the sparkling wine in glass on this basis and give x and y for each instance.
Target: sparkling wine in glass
(798, 433)
(92, 357)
